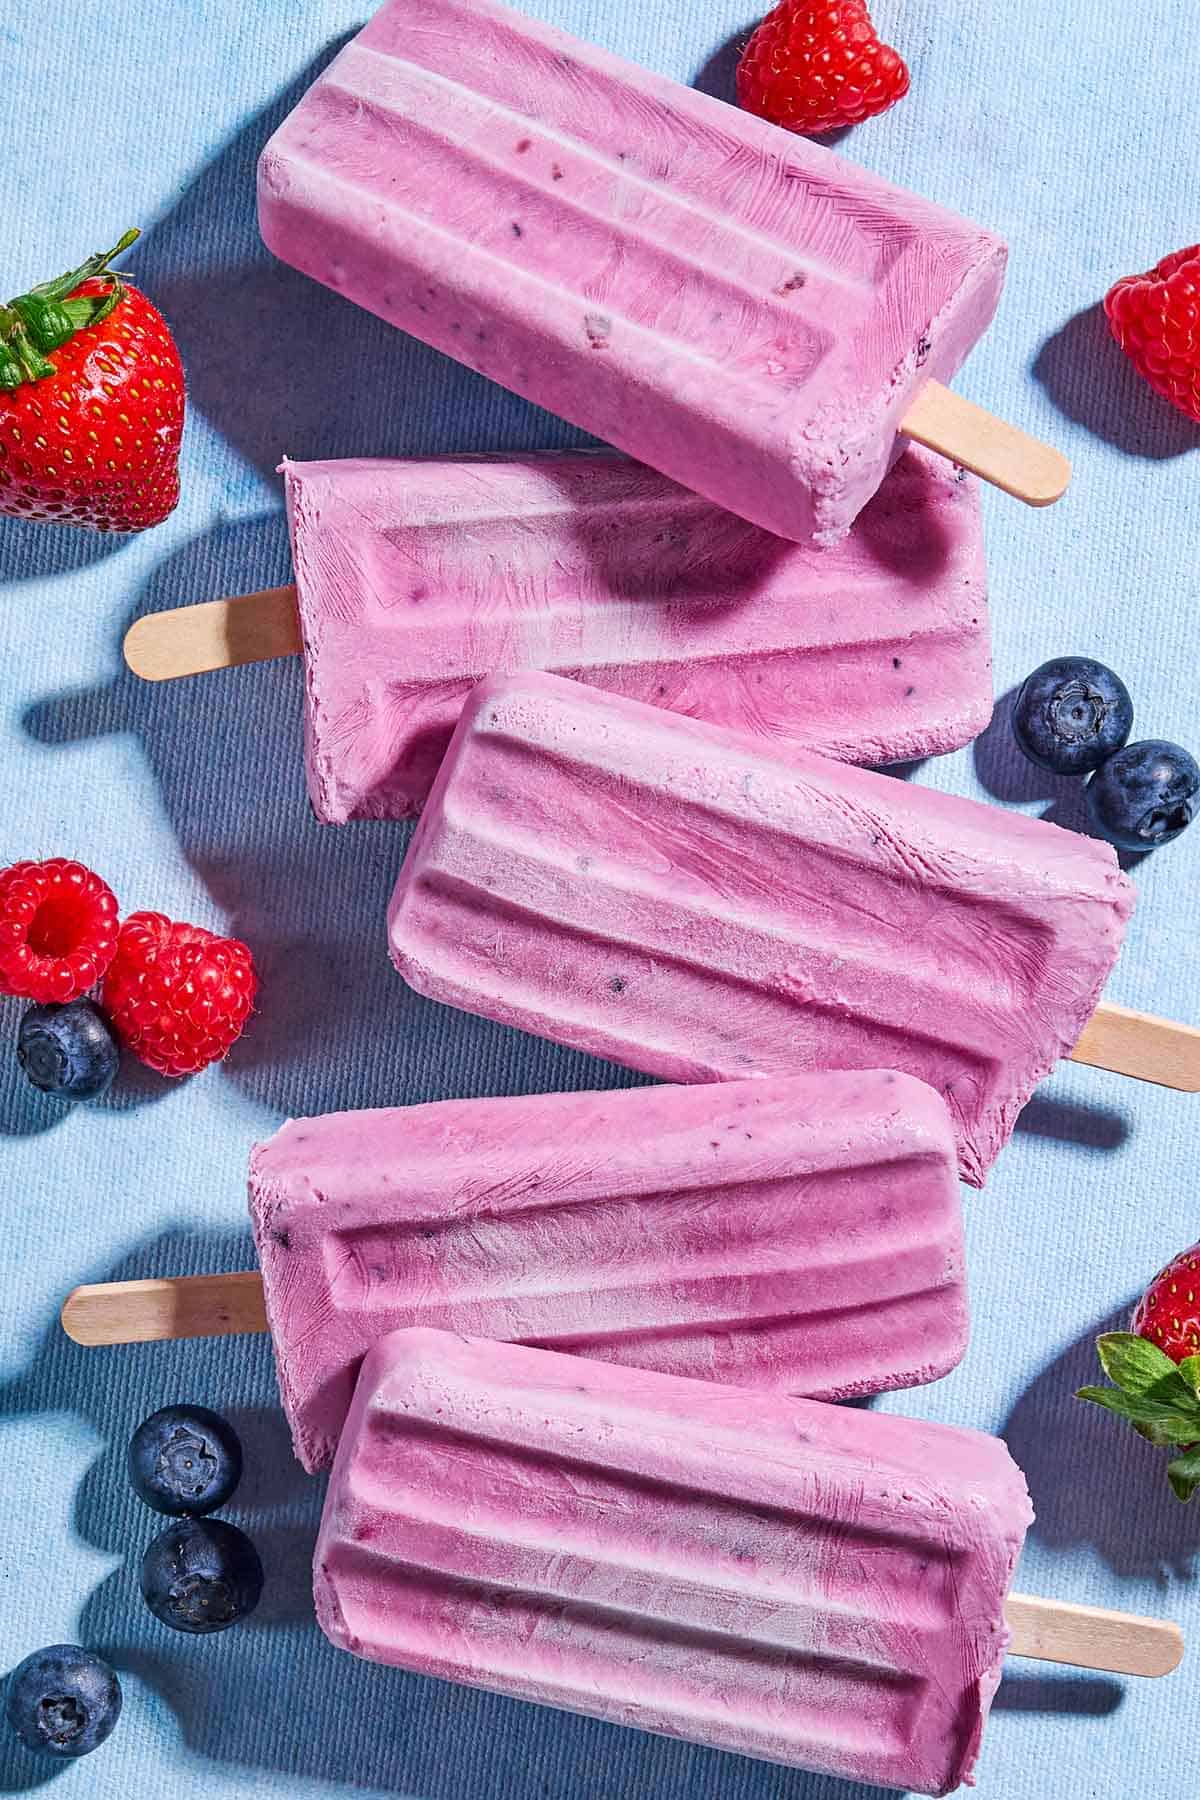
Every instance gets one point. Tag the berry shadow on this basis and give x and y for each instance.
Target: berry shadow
(343, 1721)
(718, 76)
(1008, 774)
(1092, 1479)
(33, 550)
(1091, 381)
(24, 1110)
(336, 1027)
(281, 365)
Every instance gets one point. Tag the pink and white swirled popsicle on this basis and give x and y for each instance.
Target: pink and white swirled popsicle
(674, 896)
(728, 303)
(810, 1584)
(802, 1235)
(416, 578)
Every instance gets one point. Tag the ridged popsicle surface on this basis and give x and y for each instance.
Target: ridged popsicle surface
(671, 895)
(737, 307)
(803, 1235)
(814, 1585)
(415, 578)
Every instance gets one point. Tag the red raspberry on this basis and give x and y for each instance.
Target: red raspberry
(816, 68)
(178, 995)
(58, 929)
(1156, 320)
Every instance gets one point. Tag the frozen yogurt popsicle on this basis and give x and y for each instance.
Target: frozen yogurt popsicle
(737, 307)
(414, 578)
(669, 894)
(802, 1234)
(810, 1584)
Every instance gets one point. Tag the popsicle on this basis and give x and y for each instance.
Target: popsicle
(737, 307)
(802, 1234)
(414, 578)
(814, 1585)
(669, 894)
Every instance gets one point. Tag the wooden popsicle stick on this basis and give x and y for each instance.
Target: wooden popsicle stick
(1090, 1637)
(183, 1306)
(217, 634)
(1142, 1046)
(991, 448)
(135, 1312)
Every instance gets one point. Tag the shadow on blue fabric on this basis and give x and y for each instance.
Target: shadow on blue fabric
(1090, 379)
(1090, 1475)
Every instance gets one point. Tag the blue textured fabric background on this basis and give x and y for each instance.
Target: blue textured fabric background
(1070, 130)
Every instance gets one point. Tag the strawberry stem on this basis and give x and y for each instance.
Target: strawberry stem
(46, 318)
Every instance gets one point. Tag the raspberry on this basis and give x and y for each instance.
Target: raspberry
(58, 929)
(178, 995)
(1156, 320)
(816, 68)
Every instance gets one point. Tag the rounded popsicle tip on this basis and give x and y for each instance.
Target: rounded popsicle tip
(77, 1318)
(1047, 475)
(143, 649)
(1169, 1649)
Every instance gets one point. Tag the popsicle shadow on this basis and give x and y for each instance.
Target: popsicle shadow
(1092, 1479)
(1091, 380)
(336, 1027)
(280, 364)
(1083, 1695)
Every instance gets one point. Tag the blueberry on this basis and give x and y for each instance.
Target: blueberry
(201, 1575)
(184, 1459)
(63, 1701)
(1071, 714)
(68, 1051)
(1145, 795)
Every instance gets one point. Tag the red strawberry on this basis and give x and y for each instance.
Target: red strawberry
(1156, 1368)
(1156, 320)
(1168, 1313)
(91, 403)
(178, 995)
(816, 68)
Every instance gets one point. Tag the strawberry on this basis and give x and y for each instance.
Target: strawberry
(1156, 320)
(816, 68)
(91, 403)
(1156, 1368)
